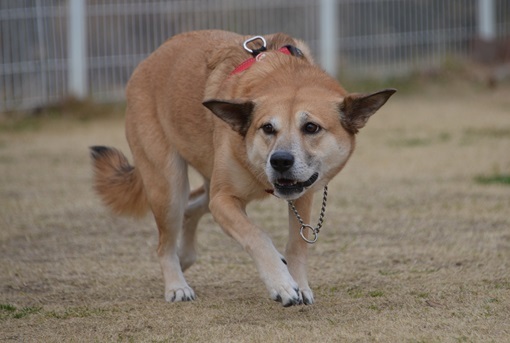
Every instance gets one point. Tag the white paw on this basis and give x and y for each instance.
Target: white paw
(180, 294)
(287, 297)
(284, 290)
(307, 296)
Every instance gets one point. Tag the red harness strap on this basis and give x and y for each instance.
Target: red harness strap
(250, 61)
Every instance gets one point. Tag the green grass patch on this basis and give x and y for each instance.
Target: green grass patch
(420, 295)
(488, 132)
(10, 311)
(7, 308)
(388, 272)
(25, 311)
(410, 142)
(355, 292)
(424, 270)
(473, 135)
(498, 179)
(374, 308)
(408, 84)
(20, 123)
(375, 294)
(333, 289)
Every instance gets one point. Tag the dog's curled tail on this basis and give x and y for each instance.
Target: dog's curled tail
(117, 182)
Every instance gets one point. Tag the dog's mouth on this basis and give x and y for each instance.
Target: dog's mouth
(289, 186)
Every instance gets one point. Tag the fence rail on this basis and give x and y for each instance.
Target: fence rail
(370, 38)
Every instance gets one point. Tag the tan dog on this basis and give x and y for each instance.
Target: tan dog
(275, 124)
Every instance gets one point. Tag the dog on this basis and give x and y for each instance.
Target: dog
(254, 117)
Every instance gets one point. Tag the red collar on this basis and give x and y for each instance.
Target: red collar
(250, 61)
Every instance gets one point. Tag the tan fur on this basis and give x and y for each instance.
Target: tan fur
(283, 126)
(118, 183)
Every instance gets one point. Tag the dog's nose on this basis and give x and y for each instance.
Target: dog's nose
(281, 161)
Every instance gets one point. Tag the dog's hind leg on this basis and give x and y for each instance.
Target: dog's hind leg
(198, 205)
(163, 170)
(167, 188)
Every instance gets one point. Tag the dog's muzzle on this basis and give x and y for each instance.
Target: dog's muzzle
(286, 184)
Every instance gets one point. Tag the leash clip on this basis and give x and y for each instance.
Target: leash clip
(255, 52)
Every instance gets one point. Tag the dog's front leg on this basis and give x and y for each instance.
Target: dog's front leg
(229, 212)
(296, 251)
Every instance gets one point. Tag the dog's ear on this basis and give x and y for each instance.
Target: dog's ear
(237, 113)
(355, 109)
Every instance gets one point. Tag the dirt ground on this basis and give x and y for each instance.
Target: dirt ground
(415, 246)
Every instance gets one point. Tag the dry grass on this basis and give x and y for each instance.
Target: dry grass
(415, 248)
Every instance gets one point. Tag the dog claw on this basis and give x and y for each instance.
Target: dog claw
(180, 294)
(307, 297)
(300, 298)
(289, 304)
(294, 300)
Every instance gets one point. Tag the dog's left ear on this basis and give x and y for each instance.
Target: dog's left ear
(355, 109)
(236, 113)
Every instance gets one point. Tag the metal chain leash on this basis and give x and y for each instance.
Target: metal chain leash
(315, 230)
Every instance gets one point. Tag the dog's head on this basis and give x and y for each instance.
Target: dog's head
(298, 133)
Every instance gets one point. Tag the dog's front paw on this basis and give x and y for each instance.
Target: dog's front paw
(180, 294)
(287, 295)
(307, 296)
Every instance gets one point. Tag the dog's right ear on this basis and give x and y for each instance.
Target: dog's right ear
(236, 113)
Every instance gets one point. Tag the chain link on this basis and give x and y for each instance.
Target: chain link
(315, 230)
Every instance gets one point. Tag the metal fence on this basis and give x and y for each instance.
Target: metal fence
(371, 38)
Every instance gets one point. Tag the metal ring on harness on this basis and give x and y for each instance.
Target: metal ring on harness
(256, 51)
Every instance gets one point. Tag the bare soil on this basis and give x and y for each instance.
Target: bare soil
(415, 246)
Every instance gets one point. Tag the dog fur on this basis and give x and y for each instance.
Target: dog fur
(281, 127)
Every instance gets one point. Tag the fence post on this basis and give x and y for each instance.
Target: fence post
(77, 49)
(42, 50)
(328, 30)
(486, 20)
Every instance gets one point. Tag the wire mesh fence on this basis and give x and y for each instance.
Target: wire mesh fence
(373, 38)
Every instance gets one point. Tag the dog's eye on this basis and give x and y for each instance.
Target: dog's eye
(268, 129)
(311, 128)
